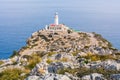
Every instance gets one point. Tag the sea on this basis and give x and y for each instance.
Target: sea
(20, 18)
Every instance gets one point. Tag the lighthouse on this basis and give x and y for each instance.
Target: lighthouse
(56, 26)
(56, 20)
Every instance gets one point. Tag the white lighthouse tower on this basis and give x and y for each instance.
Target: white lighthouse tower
(56, 22)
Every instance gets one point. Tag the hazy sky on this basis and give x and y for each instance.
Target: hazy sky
(25, 11)
(17, 7)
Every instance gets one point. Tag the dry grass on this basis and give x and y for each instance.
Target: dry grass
(80, 72)
(64, 59)
(13, 74)
(49, 61)
(51, 53)
(75, 53)
(42, 71)
(1, 62)
(33, 61)
(95, 57)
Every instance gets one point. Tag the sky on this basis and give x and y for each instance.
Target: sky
(19, 9)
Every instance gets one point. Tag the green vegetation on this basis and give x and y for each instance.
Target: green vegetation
(49, 61)
(71, 71)
(80, 72)
(96, 57)
(75, 53)
(15, 53)
(1, 62)
(117, 55)
(33, 61)
(51, 53)
(69, 31)
(36, 39)
(99, 37)
(13, 74)
(83, 34)
(44, 37)
(25, 47)
(13, 62)
(41, 53)
(84, 71)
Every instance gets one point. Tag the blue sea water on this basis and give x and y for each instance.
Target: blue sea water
(20, 18)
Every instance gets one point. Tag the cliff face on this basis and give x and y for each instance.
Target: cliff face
(64, 55)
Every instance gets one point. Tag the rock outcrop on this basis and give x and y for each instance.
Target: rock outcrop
(115, 77)
(65, 55)
(94, 76)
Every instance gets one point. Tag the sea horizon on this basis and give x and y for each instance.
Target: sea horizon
(19, 19)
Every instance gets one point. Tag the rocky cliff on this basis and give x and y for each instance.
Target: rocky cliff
(63, 55)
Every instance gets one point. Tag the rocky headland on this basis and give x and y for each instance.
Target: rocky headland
(63, 55)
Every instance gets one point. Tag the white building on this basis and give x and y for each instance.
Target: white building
(56, 26)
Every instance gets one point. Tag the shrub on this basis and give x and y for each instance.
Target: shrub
(1, 62)
(13, 74)
(86, 47)
(41, 53)
(86, 61)
(105, 72)
(14, 62)
(51, 53)
(33, 61)
(15, 53)
(85, 71)
(75, 53)
(44, 37)
(69, 31)
(49, 61)
(99, 37)
(25, 47)
(33, 45)
(89, 54)
(117, 55)
(96, 57)
(82, 71)
(62, 71)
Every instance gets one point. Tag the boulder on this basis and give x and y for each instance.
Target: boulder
(107, 65)
(33, 78)
(53, 67)
(111, 65)
(93, 76)
(115, 77)
(56, 77)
